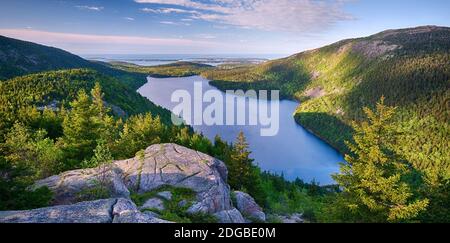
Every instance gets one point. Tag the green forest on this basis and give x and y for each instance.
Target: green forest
(409, 68)
(383, 101)
(83, 132)
(177, 69)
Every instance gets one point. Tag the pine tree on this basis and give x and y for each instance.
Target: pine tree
(32, 151)
(138, 133)
(221, 149)
(240, 164)
(98, 105)
(102, 155)
(81, 130)
(374, 179)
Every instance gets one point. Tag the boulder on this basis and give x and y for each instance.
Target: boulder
(100, 211)
(166, 195)
(183, 203)
(161, 165)
(153, 203)
(70, 186)
(290, 219)
(230, 216)
(248, 207)
(125, 211)
(139, 218)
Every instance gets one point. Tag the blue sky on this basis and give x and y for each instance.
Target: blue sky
(209, 26)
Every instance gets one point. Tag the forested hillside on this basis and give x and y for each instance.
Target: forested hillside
(409, 67)
(398, 168)
(19, 58)
(58, 88)
(77, 130)
(60, 112)
(177, 69)
(55, 88)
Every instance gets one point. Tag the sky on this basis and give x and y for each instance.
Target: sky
(209, 26)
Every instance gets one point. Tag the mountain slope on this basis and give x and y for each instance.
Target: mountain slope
(37, 75)
(56, 88)
(177, 69)
(19, 58)
(410, 67)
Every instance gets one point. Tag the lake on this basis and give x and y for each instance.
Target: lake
(293, 151)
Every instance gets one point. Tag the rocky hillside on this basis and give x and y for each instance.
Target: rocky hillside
(166, 183)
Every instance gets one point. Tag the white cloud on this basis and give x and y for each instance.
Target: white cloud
(174, 23)
(128, 18)
(92, 8)
(168, 10)
(167, 22)
(272, 15)
(83, 43)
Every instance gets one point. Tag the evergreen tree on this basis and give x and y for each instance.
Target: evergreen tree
(221, 149)
(200, 143)
(138, 133)
(102, 155)
(14, 189)
(80, 130)
(374, 179)
(241, 164)
(97, 102)
(31, 150)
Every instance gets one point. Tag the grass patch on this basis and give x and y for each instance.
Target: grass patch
(96, 192)
(173, 211)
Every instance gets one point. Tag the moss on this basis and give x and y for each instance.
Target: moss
(172, 209)
(233, 198)
(272, 219)
(96, 192)
(178, 194)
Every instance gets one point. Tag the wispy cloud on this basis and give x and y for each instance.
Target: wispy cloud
(45, 36)
(168, 10)
(91, 8)
(129, 18)
(174, 23)
(272, 15)
(84, 43)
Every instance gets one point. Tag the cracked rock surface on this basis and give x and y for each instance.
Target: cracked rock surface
(248, 207)
(230, 216)
(160, 165)
(100, 211)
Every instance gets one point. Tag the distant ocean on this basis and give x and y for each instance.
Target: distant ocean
(161, 59)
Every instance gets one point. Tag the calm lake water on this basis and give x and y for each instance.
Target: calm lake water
(294, 151)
